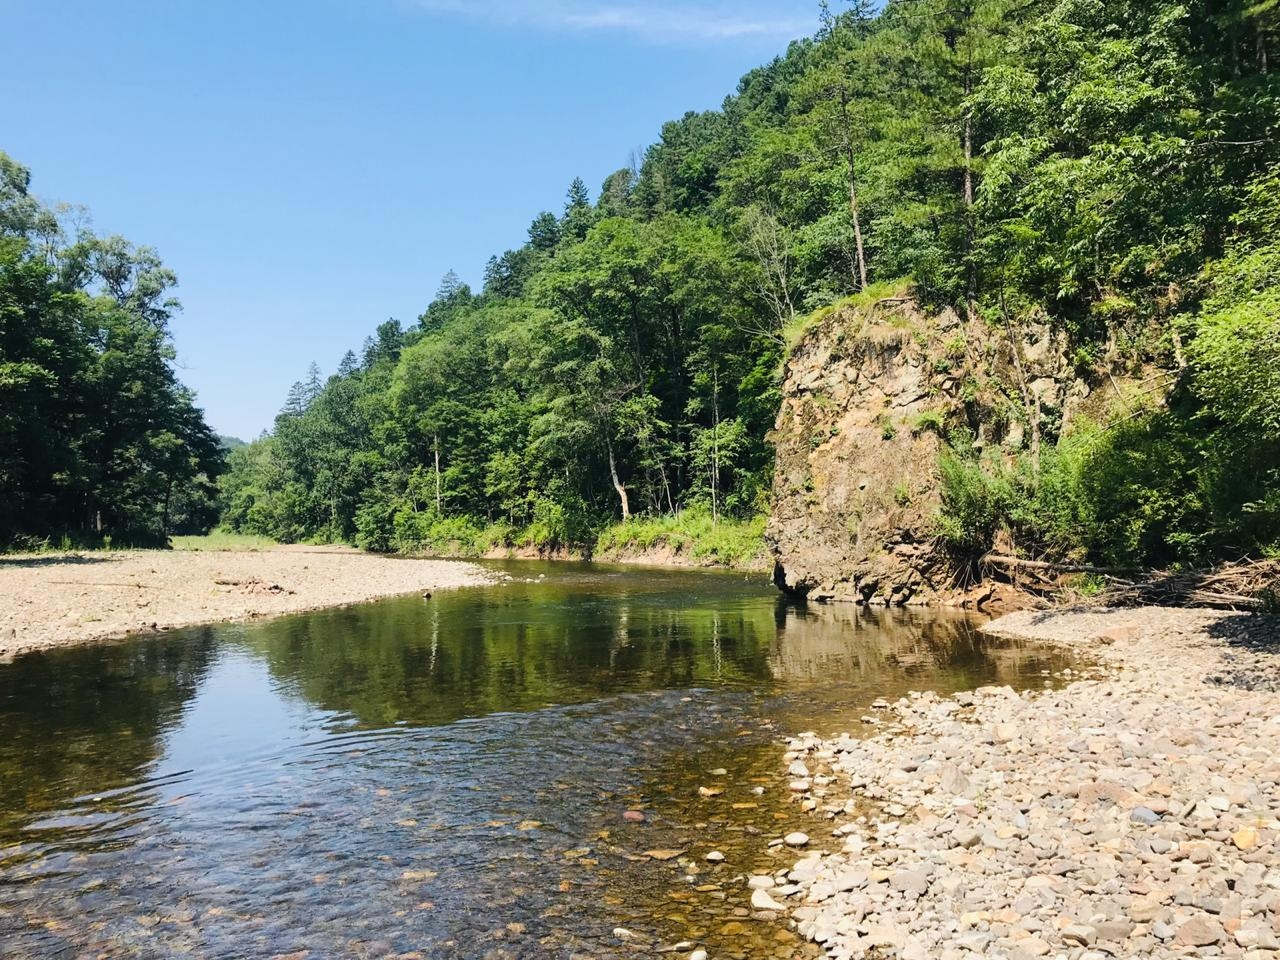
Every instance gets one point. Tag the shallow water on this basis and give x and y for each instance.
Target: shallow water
(442, 777)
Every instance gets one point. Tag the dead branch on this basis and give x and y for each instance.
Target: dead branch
(1018, 563)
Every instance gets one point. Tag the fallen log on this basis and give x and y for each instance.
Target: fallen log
(1017, 563)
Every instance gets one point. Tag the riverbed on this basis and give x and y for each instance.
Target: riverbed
(539, 768)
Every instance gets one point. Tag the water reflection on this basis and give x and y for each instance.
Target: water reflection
(821, 643)
(58, 713)
(585, 634)
(440, 777)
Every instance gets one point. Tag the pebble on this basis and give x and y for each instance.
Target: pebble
(761, 900)
(1245, 838)
(1199, 932)
(1133, 812)
(1144, 815)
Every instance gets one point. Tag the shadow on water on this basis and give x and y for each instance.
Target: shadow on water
(442, 777)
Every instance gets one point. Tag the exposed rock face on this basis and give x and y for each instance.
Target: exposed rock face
(856, 485)
(866, 395)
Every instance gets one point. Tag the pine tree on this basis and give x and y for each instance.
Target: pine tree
(303, 393)
(576, 198)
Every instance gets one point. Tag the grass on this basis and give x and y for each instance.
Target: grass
(222, 540)
(217, 540)
(729, 543)
(794, 331)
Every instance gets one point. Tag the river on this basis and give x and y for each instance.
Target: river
(444, 776)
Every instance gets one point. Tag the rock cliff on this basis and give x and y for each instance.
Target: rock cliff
(868, 394)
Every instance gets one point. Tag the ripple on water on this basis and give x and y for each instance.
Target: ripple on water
(443, 779)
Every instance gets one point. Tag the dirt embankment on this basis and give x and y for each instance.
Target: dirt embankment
(50, 600)
(658, 555)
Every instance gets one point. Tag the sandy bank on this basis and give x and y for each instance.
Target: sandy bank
(49, 600)
(1134, 811)
(662, 555)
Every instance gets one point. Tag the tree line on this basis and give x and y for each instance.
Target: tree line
(1108, 168)
(98, 438)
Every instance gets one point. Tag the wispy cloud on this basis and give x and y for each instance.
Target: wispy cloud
(662, 22)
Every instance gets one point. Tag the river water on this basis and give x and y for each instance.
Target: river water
(443, 777)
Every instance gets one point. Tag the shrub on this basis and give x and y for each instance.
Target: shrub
(933, 420)
(976, 500)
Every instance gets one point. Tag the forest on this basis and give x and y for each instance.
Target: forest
(1110, 168)
(99, 441)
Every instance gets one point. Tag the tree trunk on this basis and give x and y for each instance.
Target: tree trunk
(715, 446)
(857, 228)
(439, 500)
(853, 189)
(971, 269)
(617, 485)
(164, 519)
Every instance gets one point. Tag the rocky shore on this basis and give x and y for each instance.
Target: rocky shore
(1131, 809)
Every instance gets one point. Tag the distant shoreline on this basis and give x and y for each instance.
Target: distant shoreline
(62, 599)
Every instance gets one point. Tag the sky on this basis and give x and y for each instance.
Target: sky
(311, 168)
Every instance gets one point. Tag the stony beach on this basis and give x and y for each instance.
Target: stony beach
(49, 600)
(1129, 809)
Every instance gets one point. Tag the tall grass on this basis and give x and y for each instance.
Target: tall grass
(730, 543)
(222, 540)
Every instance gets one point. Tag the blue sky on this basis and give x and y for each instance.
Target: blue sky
(313, 167)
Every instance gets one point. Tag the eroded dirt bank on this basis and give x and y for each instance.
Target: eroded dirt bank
(1134, 811)
(50, 600)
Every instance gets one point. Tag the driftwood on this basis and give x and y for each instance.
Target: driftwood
(1245, 585)
(1017, 563)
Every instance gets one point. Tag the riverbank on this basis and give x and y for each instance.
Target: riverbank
(56, 599)
(667, 555)
(688, 539)
(1133, 811)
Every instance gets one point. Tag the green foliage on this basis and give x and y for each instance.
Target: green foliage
(976, 500)
(795, 331)
(1106, 168)
(927, 420)
(902, 493)
(98, 438)
(691, 533)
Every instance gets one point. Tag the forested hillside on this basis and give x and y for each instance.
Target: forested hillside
(1110, 168)
(98, 439)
